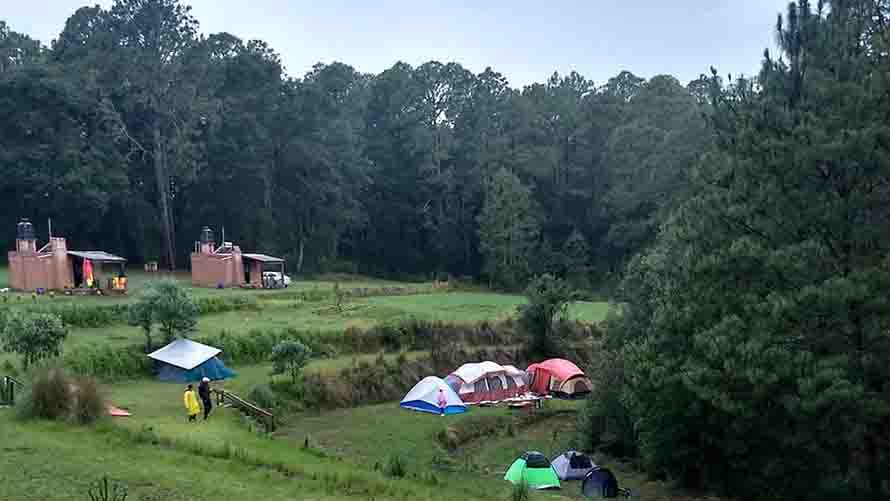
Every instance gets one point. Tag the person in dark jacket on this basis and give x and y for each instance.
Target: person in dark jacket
(204, 393)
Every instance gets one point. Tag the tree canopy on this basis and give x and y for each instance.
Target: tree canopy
(754, 334)
(132, 131)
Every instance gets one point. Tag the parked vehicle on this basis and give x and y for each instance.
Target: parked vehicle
(276, 277)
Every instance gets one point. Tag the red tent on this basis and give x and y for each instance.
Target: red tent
(558, 377)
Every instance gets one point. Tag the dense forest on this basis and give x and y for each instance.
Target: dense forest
(132, 131)
(752, 346)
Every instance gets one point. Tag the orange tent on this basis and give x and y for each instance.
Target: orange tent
(558, 377)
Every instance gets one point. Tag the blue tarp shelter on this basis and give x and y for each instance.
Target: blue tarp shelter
(185, 361)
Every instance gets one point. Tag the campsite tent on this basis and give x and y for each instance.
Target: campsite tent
(572, 465)
(599, 483)
(534, 469)
(185, 361)
(487, 382)
(424, 397)
(558, 377)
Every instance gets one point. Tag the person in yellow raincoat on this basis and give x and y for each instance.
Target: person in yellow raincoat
(191, 403)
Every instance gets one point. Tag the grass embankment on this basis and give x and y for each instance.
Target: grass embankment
(52, 461)
(322, 317)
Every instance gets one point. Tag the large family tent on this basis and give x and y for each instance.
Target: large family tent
(559, 378)
(424, 397)
(534, 469)
(600, 483)
(572, 465)
(185, 361)
(487, 382)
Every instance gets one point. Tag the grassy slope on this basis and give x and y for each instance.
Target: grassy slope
(45, 461)
(411, 434)
(362, 313)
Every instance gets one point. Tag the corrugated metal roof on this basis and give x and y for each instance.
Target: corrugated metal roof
(98, 256)
(185, 353)
(263, 258)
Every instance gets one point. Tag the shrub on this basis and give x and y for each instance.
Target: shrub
(49, 397)
(395, 467)
(290, 357)
(34, 336)
(89, 401)
(103, 490)
(147, 435)
(262, 396)
(8, 369)
(107, 362)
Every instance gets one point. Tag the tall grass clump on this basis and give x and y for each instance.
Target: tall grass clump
(55, 396)
(395, 467)
(48, 397)
(88, 405)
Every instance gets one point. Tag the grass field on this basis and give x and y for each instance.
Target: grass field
(138, 279)
(459, 307)
(53, 461)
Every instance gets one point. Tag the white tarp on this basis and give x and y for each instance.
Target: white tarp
(185, 354)
(470, 373)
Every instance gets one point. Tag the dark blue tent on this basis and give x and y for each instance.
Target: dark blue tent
(599, 483)
(185, 361)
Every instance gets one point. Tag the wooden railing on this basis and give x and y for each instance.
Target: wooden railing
(8, 388)
(262, 415)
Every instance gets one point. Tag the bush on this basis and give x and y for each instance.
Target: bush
(89, 401)
(48, 397)
(289, 357)
(104, 490)
(106, 362)
(262, 396)
(395, 467)
(8, 369)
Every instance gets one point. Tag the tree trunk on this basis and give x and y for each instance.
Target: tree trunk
(267, 186)
(163, 182)
(302, 246)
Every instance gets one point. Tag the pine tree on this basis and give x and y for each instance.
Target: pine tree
(508, 230)
(756, 335)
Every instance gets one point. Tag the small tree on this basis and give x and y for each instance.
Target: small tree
(141, 315)
(35, 336)
(339, 296)
(167, 304)
(290, 357)
(548, 299)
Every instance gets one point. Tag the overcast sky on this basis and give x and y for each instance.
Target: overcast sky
(525, 40)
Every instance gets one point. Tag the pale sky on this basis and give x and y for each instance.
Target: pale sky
(525, 40)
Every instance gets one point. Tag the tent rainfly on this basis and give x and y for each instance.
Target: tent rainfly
(600, 483)
(185, 361)
(572, 465)
(487, 382)
(558, 377)
(424, 397)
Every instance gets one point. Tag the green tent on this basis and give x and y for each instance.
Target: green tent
(534, 469)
